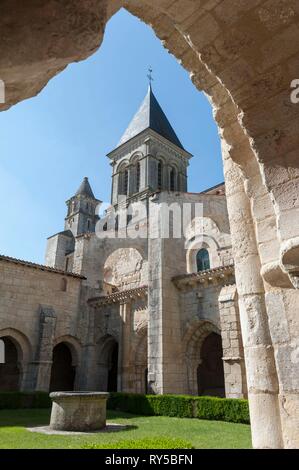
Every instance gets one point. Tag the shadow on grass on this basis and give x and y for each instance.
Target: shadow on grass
(41, 417)
(117, 414)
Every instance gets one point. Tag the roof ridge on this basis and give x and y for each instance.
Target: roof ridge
(42, 267)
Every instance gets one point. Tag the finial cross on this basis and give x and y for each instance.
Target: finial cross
(149, 76)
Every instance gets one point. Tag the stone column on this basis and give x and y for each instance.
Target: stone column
(258, 349)
(45, 348)
(124, 347)
(115, 187)
(120, 347)
(143, 173)
(233, 354)
(132, 180)
(87, 376)
(166, 370)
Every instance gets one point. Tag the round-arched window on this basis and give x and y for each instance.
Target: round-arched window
(172, 180)
(202, 260)
(138, 177)
(159, 176)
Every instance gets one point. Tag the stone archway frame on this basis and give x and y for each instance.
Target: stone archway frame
(74, 346)
(244, 56)
(24, 350)
(104, 344)
(197, 331)
(104, 347)
(122, 250)
(208, 242)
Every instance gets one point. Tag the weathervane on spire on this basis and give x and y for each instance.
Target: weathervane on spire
(149, 76)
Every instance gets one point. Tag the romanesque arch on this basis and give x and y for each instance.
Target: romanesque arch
(107, 363)
(210, 371)
(193, 340)
(243, 55)
(10, 371)
(124, 267)
(63, 370)
(17, 355)
(208, 243)
(73, 344)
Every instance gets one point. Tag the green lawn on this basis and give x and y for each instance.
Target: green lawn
(200, 433)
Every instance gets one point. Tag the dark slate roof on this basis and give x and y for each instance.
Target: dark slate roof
(85, 189)
(150, 116)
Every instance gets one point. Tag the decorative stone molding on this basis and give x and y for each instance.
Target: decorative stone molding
(220, 275)
(119, 297)
(289, 254)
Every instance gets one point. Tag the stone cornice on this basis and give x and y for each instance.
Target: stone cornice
(141, 139)
(219, 275)
(119, 297)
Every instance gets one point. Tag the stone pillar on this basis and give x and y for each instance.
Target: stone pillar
(143, 173)
(166, 370)
(233, 355)
(87, 376)
(45, 348)
(259, 355)
(124, 347)
(115, 187)
(132, 180)
(120, 347)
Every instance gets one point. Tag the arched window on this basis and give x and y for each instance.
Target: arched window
(63, 285)
(137, 176)
(172, 180)
(88, 224)
(123, 181)
(126, 181)
(159, 175)
(75, 205)
(202, 260)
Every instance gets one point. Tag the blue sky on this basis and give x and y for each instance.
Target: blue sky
(50, 142)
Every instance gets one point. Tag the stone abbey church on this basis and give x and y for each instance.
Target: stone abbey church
(129, 314)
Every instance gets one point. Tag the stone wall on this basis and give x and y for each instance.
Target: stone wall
(39, 309)
(233, 353)
(244, 55)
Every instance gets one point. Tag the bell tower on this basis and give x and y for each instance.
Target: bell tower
(149, 157)
(81, 214)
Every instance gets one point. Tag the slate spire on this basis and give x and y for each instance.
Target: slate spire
(150, 116)
(85, 189)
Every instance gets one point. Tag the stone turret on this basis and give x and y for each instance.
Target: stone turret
(81, 215)
(81, 218)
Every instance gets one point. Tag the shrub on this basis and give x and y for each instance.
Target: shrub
(14, 400)
(223, 409)
(183, 406)
(146, 443)
(159, 405)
